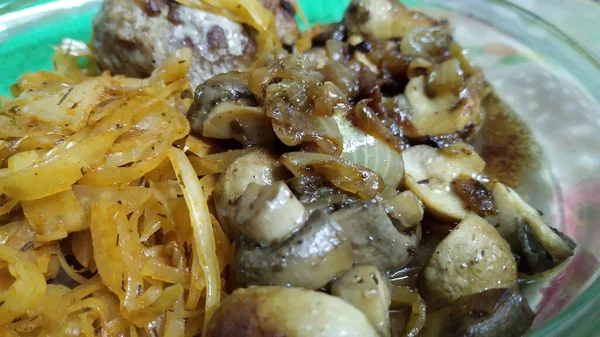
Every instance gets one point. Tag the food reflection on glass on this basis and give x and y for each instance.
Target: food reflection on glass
(203, 168)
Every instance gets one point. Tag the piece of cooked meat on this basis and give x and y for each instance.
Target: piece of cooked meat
(284, 11)
(131, 37)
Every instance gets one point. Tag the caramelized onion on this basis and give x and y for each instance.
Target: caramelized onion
(447, 77)
(340, 172)
(365, 150)
(428, 42)
(296, 105)
(405, 296)
(343, 77)
(367, 121)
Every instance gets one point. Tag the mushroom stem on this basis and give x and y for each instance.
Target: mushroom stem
(269, 214)
(369, 291)
(405, 210)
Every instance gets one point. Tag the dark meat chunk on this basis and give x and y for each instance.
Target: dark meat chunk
(475, 195)
(131, 37)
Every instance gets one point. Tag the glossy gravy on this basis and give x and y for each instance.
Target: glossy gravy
(506, 144)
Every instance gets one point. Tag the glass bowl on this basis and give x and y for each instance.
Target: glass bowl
(549, 80)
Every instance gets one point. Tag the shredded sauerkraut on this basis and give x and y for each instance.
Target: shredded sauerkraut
(92, 170)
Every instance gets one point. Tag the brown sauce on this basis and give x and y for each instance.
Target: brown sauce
(506, 144)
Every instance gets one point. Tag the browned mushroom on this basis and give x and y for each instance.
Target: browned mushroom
(491, 313)
(382, 19)
(269, 214)
(257, 166)
(279, 311)
(375, 239)
(443, 114)
(224, 108)
(430, 172)
(471, 259)
(405, 210)
(310, 258)
(367, 289)
(530, 237)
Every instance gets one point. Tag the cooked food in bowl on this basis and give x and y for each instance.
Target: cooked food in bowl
(203, 168)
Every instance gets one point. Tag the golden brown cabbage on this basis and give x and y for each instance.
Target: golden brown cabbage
(91, 162)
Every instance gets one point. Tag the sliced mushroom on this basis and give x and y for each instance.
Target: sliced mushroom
(471, 259)
(513, 212)
(382, 19)
(310, 258)
(229, 87)
(279, 311)
(269, 214)
(225, 108)
(430, 172)
(246, 124)
(374, 238)
(443, 114)
(369, 291)
(340, 172)
(405, 209)
(257, 166)
(491, 313)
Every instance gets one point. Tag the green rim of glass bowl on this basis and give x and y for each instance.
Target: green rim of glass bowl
(581, 317)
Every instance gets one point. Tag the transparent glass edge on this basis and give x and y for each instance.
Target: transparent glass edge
(16, 22)
(580, 318)
(585, 72)
(15, 5)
